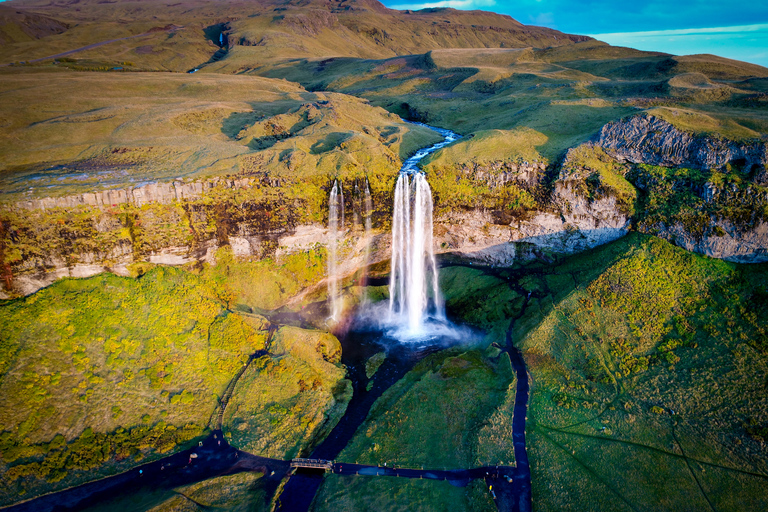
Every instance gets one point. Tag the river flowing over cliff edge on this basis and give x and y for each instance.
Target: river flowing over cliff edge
(595, 194)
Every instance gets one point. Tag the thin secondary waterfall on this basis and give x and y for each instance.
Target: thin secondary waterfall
(335, 228)
(367, 212)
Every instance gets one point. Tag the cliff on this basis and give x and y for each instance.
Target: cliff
(642, 173)
(703, 192)
(648, 139)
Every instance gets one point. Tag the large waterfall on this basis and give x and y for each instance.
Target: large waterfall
(414, 294)
(415, 306)
(415, 311)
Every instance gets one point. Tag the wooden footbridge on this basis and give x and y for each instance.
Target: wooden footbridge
(312, 463)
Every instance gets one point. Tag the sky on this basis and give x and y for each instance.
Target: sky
(737, 30)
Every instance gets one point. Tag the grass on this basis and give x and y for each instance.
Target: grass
(698, 122)
(350, 493)
(407, 429)
(283, 405)
(98, 374)
(240, 492)
(646, 363)
(78, 132)
(617, 338)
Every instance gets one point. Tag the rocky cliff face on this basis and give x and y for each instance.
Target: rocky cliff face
(572, 224)
(647, 139)
(718, 212)
(710, 195)
(162, 193)
(184, 223)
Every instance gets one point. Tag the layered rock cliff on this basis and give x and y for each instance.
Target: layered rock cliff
(703, 192)
(642, 172)
(648, 139)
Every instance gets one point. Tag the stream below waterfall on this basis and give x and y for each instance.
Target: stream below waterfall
(214, 457)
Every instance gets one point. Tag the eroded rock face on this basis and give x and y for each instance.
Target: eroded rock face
(575, 224)
(731, 244)
(647, 139)
(581, 211)
(163, 193)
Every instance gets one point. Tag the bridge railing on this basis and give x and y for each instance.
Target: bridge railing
(312, 463)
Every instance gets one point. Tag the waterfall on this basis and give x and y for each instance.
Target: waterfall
(367, 212)
(415, 312)
(335, 228)
(414, 295)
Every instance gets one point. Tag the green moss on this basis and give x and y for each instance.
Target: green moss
(166, 336)
(282, 406)
(352, 493)
(401, 426)
(673, 196)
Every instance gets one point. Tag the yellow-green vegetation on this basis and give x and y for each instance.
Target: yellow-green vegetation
(489, 169)
(431, 417)
(646, 364)
(596, 175)
(565, 93)
(267, 284)
(73, 132)
(98, 374)
(698, 122)
(488, 146)
(373, 363)
(481, 300)
(353, 493)
(284, 404)
(668, 197)
(112, 369)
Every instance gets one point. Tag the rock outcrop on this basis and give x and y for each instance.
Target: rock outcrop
(648, 139)
(589, 203)
(727, 208)
(163, 193)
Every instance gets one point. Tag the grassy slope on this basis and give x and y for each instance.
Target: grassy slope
(77, 132)
(99, 373)
(240, 492)
(614, 339)
(284, 404)
(265, 30)
(433, 418)
(617, 338)
(564, 94)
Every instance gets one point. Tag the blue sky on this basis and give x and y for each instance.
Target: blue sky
(737, 30)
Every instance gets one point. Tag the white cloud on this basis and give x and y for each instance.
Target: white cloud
(743, 42)
(740, 29)
(456, 4)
